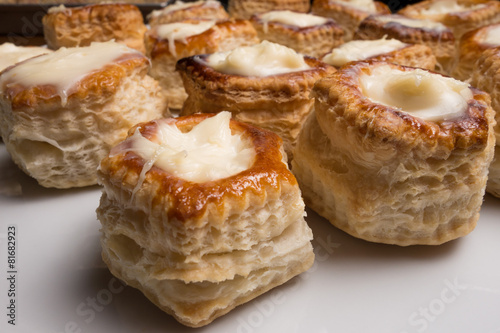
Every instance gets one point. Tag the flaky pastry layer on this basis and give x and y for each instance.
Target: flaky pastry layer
(244, 9)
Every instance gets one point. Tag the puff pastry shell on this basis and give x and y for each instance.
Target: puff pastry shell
(80, 26)
(198, 10)
(60, 144)
(385, 176)
(244, 9)
(314, 41)
(279, 103)
(223, 36)
(197, 250)
(486, 76)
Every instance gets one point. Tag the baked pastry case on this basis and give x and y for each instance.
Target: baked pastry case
(54, 275)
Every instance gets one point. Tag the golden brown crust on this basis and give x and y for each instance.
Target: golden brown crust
(442, 43)
(213, 10)
(347, 17)
(188, 200)
(314, 41)
(471, 47)
(80, 26)
(278, 102)
(458, 22)
(244, 9)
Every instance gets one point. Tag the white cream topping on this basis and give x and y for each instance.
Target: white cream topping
(361, 49)
(364, 5)
(413, 23)
(418, 92)
(11, 54)
(65, 67)
(260, 60)
(208, 152)
(293, 18)
(448, 6)
(57, 9)
(180, 5)
(179, 31)
(492, 36)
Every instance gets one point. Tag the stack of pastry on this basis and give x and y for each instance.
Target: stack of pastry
(396, 154)
(201, 214)
(266, 85)
(305, 33)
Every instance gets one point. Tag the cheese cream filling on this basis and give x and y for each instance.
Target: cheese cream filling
(364, 5)
(361, 49)
(292, 18)
(259, 60)
(208, 152)
(179, 31)
(11, 54)
(180, 5)
(449, 6)
(418, 92)
(492, 36)
(64, 67)
(413, 23)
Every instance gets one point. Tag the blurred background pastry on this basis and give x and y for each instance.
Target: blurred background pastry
(395, 154)
(244, 9)
(305, 33)
(201, 214)
(61, 112)
(80, 26)
(180, 10)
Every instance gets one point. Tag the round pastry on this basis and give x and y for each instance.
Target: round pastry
(472, 45)
(412, 31)
(396, 154)
(266, 85)
(201, 214)
(11, 54)
(80, 26)
(459, 15)
(62, 112)
(348, 13)
(244, 9)
(180, 11)
(486, 76)
(305, 33)
(388, 50)
(167, 43)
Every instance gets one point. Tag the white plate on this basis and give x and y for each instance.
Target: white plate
(354, 286)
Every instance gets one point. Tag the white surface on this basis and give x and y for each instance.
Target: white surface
(354, 286)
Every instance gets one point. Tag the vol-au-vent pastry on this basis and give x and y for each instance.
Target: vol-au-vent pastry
(486, 76)
(11, 54)
(61, 112)
(471, 47)
(412, 31)
(396, 154)
(266, 85)
(80, 26)
(459, 15)
(348, 13)
(388, 50)
(305, 33)
(180, 11)
(202, 214)
(244, 9)
(167, 43)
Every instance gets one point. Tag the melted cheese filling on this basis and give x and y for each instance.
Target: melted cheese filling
(11, 54)
(420, 93)
(364, 5)
(413, 23)
(448, 6)
(179, 31)
(492, 36)
(259, 60)
(361, 49)
(64, 67)
(208, 152)
(180, 5)
(292, 18)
